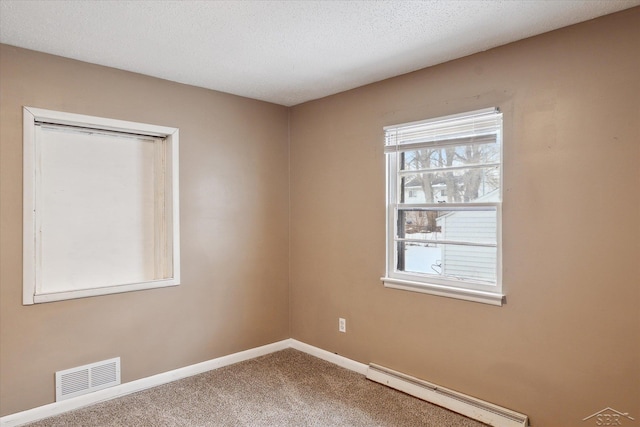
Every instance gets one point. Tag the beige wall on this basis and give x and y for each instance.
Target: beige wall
(234, 225)
(567, 343)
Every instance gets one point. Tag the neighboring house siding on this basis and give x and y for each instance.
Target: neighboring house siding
(469, 261)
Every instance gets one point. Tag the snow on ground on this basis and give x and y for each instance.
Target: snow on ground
(420, 258)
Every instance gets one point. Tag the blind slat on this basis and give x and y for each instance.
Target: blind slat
(439, 143)
(479, 127)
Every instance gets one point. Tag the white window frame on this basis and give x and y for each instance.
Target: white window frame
(167, 240)
(465, 289)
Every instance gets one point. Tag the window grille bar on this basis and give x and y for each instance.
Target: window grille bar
(446, 242)
(471, 206)
(450, 168)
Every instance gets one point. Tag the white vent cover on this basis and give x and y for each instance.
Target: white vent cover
(88, 378)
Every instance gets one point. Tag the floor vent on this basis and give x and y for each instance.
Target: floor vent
(472, 407)
(88, 378)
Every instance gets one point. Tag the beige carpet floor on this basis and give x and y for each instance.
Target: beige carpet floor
(287, 388)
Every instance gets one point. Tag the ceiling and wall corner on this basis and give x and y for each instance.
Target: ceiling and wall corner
(285, 52)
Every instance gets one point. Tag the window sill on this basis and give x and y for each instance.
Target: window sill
(105, 290)
(445, 291)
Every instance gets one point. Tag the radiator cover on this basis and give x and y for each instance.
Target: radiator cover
(469, 406)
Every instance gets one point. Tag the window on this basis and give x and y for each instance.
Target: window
(100, 206)
(444, 185)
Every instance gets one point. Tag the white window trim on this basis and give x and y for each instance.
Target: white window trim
(475, 291)
(444, 291)
(31, 116)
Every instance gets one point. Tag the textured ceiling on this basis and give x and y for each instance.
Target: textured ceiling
(285, 52)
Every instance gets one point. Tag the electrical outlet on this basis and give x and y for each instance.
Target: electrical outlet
(342, 325)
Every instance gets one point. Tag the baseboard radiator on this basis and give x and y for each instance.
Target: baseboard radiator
(471, 407)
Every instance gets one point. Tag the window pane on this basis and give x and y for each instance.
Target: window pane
(418, 224)
(461, 226)
(419, 258)
(448, 261)
(444, 177)
(456, 186)
(454, 156)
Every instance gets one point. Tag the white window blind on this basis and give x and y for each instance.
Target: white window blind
(461, 129)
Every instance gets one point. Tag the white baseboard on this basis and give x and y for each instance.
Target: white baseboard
(334, 358)
(57, 408)
(490, 414)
